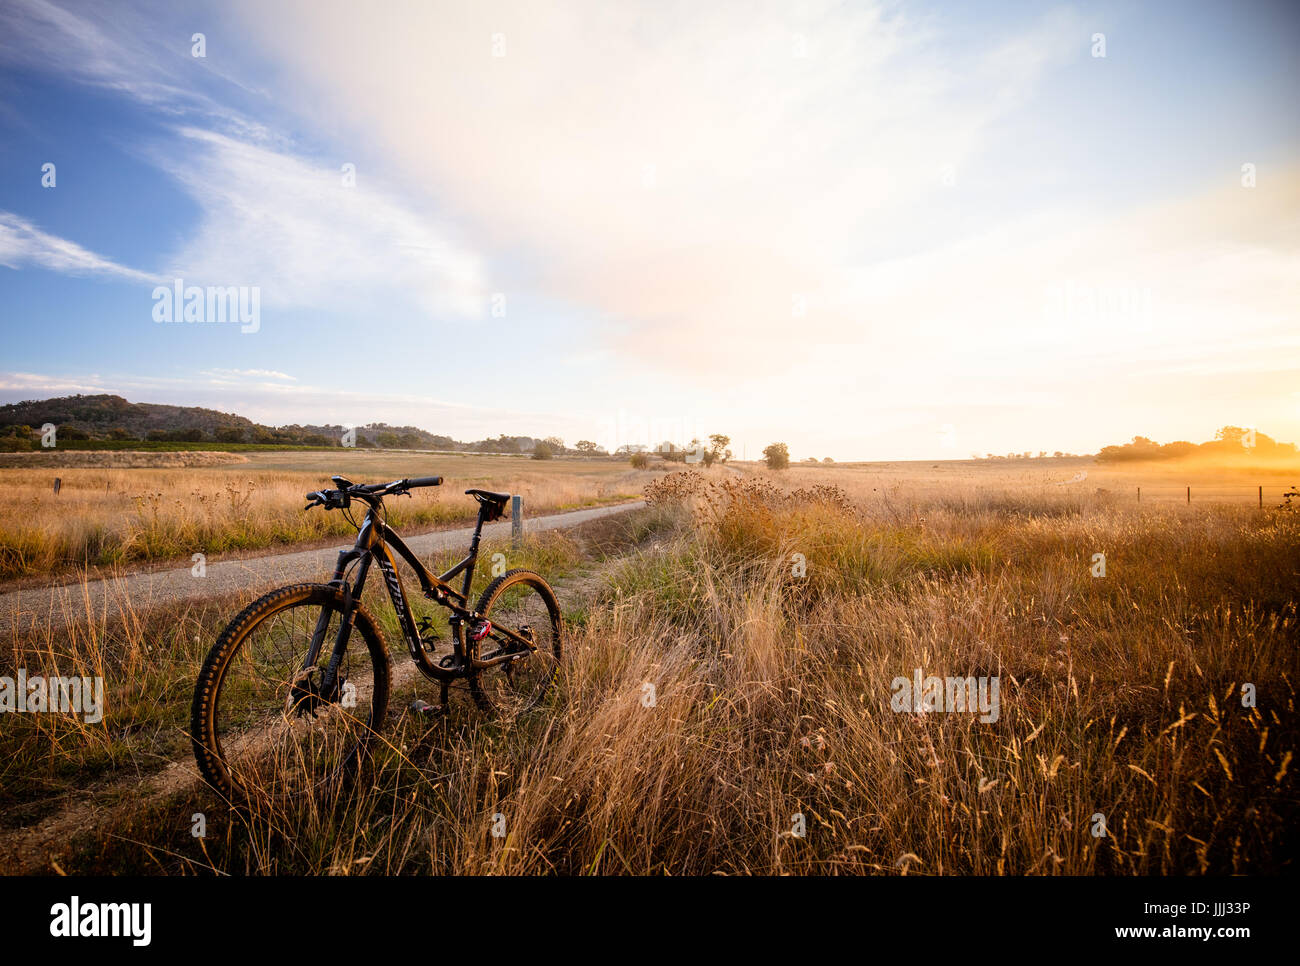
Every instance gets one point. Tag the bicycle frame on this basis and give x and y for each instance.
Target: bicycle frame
(376, 541)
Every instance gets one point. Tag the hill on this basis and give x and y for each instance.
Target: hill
(110, 420)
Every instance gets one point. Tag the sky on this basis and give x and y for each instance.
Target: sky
(869, 230)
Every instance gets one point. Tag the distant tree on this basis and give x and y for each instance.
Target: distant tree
(586, 446)
(827, 459)
(555, 443)
(117, 432)
(1231, 435)
(717, 450)
(68, 431)
(640, 461)
(229, 434)
(543, 450)
(777, 456)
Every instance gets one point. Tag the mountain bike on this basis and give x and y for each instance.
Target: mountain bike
(295, 690)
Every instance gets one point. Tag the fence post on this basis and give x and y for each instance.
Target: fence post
(58, 485)
(1139, 494)
(1261, 497)
(1189, 494)
(516, 521)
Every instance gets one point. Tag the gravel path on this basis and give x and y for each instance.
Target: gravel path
(57, 606)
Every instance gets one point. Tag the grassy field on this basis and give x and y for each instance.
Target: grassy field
(729, 701)
(107, 517)
(1161, 482)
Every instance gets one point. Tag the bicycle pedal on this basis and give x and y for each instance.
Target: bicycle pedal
(422, 707)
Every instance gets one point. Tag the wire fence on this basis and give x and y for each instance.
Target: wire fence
(1266, 494)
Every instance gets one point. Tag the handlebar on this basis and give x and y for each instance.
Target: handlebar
(370, 492)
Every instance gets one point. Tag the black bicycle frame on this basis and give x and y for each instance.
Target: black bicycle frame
(376, 541)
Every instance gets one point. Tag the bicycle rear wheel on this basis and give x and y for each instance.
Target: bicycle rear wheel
(524, 602)
(261, 725)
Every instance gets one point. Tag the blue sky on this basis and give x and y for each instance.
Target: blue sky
(900, 230)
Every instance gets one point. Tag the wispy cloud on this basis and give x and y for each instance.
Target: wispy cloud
(293, 227)
(685, 172)
(270, 216)
(231, 375)
(141, 51)
(23, 245)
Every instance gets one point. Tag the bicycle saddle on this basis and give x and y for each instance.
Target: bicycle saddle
(489, 495)
(494, 502)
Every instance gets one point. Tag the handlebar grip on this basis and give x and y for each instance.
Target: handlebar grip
(425, 481)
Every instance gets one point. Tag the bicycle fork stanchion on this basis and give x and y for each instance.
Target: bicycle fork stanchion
(516, 521)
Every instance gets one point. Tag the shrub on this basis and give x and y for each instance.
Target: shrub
(777, 456)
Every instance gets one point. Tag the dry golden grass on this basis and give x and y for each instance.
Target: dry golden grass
(1072, 478)
(116, 459)
(111, 517)
(1120, 697)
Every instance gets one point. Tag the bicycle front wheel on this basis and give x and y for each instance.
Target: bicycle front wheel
(264, 725)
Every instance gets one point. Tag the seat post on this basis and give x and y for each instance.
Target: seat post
(473, 554)
(478, 529)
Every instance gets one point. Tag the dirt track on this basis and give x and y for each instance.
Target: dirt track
(58, 606)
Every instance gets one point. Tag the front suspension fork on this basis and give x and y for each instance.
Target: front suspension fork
(329, 682)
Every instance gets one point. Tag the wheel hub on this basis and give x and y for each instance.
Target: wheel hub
(305, 698)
